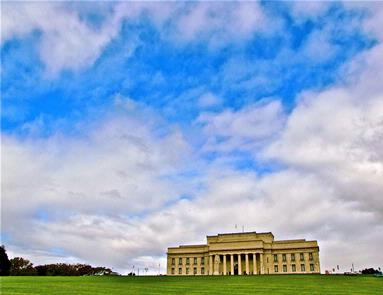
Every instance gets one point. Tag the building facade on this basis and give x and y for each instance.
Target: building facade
(247, 253)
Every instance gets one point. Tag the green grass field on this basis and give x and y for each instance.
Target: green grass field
(287, 284)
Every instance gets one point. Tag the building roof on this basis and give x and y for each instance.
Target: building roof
(242, 233)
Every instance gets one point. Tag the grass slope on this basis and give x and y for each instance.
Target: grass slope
(286, 284)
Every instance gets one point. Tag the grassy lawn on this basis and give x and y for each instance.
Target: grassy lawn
(287, 284)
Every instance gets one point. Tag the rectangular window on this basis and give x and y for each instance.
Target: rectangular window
(284, 268)
(195, 271)
(293, 268)
(275, 257)
(187, 261)
(284, 257)
(180, 271)
(180, 261)
(275, 268)
(311, 267)
(202, 260)
(303, 267)
(267, 259)
(302, 256)
(173, 261)
(202, 270)
(172, 271)
(293, 257)
(187, 270)
(311, 256)
(195, 260)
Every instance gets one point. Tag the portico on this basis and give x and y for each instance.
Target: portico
(234, 263)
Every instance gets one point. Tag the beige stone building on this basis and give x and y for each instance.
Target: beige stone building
(244, 253)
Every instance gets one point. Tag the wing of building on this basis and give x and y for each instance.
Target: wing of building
(244, 253)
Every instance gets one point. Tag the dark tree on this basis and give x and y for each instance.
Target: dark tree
(370, 271)
(5, 264)
(41, 270)
(63, 269)
(22, 267)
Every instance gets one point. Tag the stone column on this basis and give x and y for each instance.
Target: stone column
(184, 266)
(210, 264)
(239, 265)
(255, 264)
(247, 263)
(216, 264)
(224, 265)
(261, 263)
(231, 264)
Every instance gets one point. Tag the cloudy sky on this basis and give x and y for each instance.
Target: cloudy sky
(133, 126)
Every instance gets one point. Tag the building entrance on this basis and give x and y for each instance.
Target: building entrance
(236, 269)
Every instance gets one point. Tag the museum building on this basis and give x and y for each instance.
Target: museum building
(247, 253)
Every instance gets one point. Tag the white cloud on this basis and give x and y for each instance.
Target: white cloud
(245, 129)
(372, 22)
(74, 193)
(319, 47)
(208, 100)
(67, 42)
(303, 10)
(337, 134)
(221, 23)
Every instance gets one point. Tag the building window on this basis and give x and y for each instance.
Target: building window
(187, 270)
(303, 267)
(173, 271)
(267, 259)
(311, 267)
(284, 268)
(195, 271)
(284, 257)
(302, 256)
(293, 257)
(275, 257)
(275, 268)
(180, 271)
(188, 261)
(180, 261)
(293, 268)
(202, 260)
(202, 270)
(173, 261)
(311, 256)
(195, 260)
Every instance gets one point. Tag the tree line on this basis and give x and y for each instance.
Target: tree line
(19, 266)
(371, 271)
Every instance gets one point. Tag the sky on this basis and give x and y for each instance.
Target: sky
(130, 127)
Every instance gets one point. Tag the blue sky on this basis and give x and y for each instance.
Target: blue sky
(138, 115)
